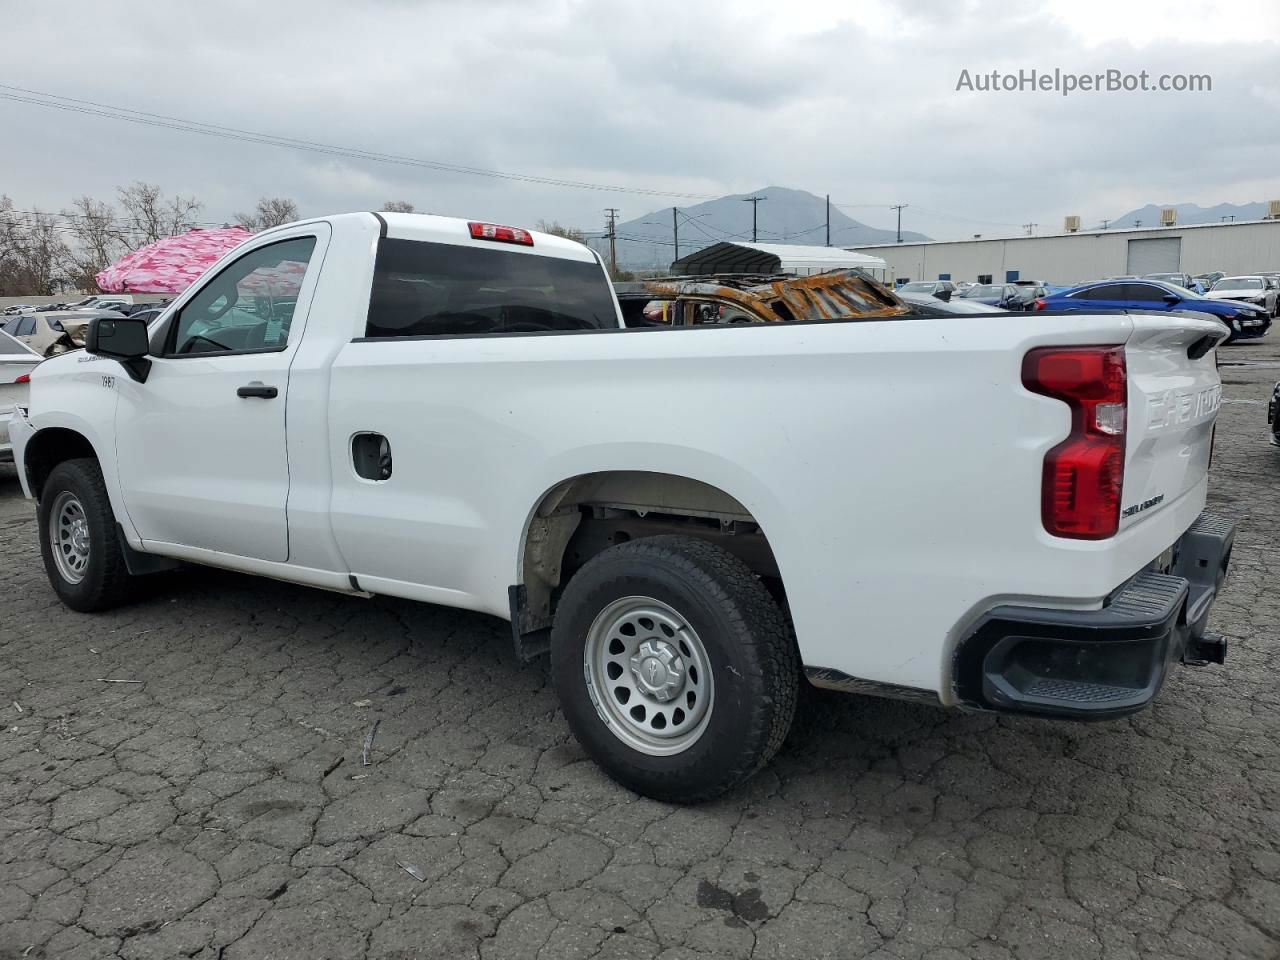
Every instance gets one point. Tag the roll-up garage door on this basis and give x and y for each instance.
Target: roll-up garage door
(1154, 255)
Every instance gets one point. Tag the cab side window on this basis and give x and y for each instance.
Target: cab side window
(248, 306)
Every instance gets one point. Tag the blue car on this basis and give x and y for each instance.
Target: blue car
(1244, 320)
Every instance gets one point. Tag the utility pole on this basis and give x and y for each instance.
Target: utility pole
(828, 219)
(898, 207)
(611, 220)
(755, 205)
(1104, 224)
(675, 232)
(1030, 228)
(1137, 223)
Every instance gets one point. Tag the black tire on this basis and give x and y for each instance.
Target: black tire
(105, 582)
(752, 655)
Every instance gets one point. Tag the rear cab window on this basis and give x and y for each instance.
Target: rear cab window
(425, 289)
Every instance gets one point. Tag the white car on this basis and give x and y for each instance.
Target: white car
(1258, 290)
(692, 520)
(17, 360)
(102, 301)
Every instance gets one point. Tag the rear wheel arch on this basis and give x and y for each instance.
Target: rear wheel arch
(584, 515)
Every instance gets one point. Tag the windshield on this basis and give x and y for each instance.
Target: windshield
(919, 286)
(985, 290)
(1239, 283)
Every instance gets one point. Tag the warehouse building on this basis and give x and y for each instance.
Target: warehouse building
(1241, 247)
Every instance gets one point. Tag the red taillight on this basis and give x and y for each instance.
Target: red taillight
(1084, 475)
(25, 378)
(492, 231)
(1041, 304)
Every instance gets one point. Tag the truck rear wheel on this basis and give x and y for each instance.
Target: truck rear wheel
(674, 667)
(79, 540)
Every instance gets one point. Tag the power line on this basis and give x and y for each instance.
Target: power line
(185, 125)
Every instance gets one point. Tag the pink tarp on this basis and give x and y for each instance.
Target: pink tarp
(172, 264)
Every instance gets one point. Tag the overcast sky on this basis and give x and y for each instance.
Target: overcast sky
(857, 100)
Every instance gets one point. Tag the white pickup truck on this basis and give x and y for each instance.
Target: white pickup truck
(995, 512)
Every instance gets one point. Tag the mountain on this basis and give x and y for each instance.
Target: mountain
(1188, 213)
(785, 216)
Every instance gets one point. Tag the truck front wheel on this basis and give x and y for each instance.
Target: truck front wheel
(674, 666)
(79, 540)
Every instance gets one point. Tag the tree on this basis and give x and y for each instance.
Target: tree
(270, 212)
(150, 216)
(31, 251)
(99, 240)
(397, 206)
(556, 229)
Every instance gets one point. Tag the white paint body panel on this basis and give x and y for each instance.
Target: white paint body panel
(895, 466)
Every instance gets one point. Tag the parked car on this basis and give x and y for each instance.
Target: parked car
(946, 308)
(42, 332)
(1242, 319)
(754, 298)
(990, 294)
(16, 308)
(693, 522)
(942, 289)
(53, 333)
(1207, 280)
(1257, 290)
(1183, 280)
(147, 314)
(133, 309)
(17, 360)
(1273, 415)
(1024, 294)
(98, 300)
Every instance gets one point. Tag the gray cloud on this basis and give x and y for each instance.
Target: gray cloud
(699, 98)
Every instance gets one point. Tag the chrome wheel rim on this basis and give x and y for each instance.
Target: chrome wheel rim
(69, 537)
(648, 675)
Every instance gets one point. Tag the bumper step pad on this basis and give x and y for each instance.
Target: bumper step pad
(1095, 664)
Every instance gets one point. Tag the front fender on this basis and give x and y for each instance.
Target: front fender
(76, 392)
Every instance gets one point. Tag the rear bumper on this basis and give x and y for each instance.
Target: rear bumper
(19, 432)
(6, 447)
(1104, 663)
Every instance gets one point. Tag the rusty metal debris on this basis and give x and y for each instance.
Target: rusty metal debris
(368, 743)
(765, 298)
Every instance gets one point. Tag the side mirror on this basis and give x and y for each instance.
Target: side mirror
(944, 295)
(1171, 298)
(123, 339)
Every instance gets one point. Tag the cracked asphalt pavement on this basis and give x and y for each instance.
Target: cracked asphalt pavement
(219, 807)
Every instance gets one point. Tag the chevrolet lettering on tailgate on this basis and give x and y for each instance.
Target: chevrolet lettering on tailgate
(1171, 407)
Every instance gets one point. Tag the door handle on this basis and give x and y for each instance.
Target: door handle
(258, 389)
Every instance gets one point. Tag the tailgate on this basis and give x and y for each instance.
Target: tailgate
(1173, 403)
